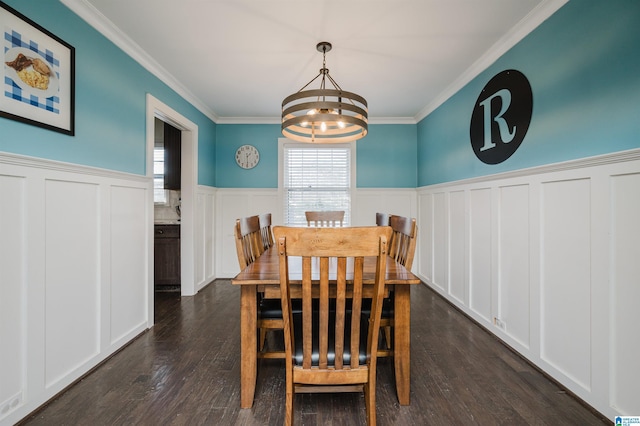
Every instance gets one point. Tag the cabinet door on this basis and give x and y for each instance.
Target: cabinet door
(167, 255)
(172, 157)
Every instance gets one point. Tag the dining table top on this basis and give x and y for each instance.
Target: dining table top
(265, 271)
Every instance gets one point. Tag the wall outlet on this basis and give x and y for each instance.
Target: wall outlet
(500, 324)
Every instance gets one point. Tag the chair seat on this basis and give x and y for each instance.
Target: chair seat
(346, 359)
(272, 308)
(269, 309)
(387, 306)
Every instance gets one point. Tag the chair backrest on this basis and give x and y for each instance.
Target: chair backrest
(403, 240)
(248, 240)
(336, 330)
(265, 230)
(382, 219)
(324, 219)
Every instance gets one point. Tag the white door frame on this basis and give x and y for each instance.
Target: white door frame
(189, 181)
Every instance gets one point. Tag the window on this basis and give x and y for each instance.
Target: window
(315, 177)
(159, 193)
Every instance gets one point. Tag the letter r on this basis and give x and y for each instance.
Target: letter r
(505, 135)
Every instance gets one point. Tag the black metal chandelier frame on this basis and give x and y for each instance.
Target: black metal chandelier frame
(324, 115)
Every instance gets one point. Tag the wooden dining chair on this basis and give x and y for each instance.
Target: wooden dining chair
(249, 246)
(382, 219)
(265, 230)
(402, 249)
(248, 240)
(331, 344)
(325, 219)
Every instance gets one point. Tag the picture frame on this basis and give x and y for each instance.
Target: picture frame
(38, 74)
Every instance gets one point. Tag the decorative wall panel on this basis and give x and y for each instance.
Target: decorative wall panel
(128, 273)
(625, 292)
(13, 290)
(565, 285)
(440, 241)
(457, 246)
(72, 271)
(425, 249)
(480, 252)
(205, 240)
(513, 262)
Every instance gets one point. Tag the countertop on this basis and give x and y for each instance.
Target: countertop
(166, 222)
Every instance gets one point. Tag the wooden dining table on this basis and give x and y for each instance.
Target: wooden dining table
(262, 276)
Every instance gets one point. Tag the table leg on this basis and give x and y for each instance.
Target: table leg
(402, 342)
(248, 344)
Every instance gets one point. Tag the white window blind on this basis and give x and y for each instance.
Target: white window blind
(159, 193)
(318, 179)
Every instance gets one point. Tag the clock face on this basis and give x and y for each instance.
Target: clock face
(247, 156)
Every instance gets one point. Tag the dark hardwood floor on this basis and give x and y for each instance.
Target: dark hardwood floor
(185, 371)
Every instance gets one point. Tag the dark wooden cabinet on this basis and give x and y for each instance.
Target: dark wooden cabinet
(166, 255)
(172, 157)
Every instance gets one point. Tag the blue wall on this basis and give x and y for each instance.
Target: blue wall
(229, 138)
(385, 158)
(583, 65)
(110, 112)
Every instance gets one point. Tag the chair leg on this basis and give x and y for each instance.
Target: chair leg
(263, 337)
(387, 336)
(370, 402)
(288, 413)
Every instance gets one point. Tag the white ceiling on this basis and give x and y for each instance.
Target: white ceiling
(237, 59)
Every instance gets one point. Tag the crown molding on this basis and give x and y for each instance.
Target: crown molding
(249, 120)
(392, 120)
(104, 26)
(519, 31)
(100, 23)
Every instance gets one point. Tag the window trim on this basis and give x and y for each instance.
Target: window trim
(289, 143)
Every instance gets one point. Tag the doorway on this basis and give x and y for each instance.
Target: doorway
(166, 209)
(188, 182)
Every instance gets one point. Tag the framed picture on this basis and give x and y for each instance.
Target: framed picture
(38, 74)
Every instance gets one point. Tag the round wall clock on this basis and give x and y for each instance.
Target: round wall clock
(247, 156)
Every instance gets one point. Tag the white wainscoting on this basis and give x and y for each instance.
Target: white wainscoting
(205, 219)
(367, 202)
(548, 259)
(545, 258)
(75, 266)
(233, 203)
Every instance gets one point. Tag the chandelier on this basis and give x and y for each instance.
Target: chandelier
(324, 115)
